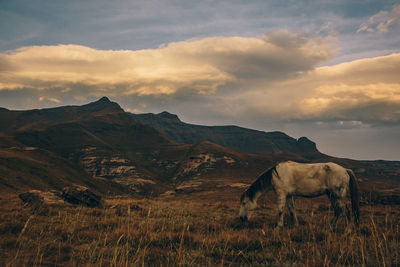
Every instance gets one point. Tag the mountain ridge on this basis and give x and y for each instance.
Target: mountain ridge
(101, 146)
(242, 139)
(35, 118)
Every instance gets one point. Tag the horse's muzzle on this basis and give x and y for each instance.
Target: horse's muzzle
(243, 218)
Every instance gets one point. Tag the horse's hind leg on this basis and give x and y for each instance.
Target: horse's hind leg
(281, 208)
(292, 211)
(347, 213)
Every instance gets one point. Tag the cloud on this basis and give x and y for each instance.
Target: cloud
(382, 21)
(220, 79)
(194, 66)
(366, 90)
(360, 93)
(51, 99)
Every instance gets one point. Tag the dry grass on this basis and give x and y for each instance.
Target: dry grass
(192, 233)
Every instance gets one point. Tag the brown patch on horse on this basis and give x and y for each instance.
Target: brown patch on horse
(327, 168)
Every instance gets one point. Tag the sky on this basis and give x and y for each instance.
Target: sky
(328, 70)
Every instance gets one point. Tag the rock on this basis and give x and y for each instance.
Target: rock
(81, 195)
(74, 194)
(40, 198)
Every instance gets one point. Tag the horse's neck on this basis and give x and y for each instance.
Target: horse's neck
(255, 191)
(262, 184)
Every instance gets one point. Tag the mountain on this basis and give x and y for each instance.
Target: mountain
(378, 175)
(99, 130)
(100, 143)
(101, 146)
(238, 138)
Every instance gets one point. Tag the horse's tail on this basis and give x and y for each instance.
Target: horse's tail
(355, 196)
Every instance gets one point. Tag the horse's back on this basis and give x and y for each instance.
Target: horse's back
(311, 179)
(311, 170)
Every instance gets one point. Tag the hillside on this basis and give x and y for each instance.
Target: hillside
(66, 134)
(109, 150)
(238, 138)
(100, 142)
(25, 168)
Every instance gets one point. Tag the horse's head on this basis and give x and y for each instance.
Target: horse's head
(247, 205)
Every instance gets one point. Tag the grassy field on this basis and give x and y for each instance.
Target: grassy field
(191, 232)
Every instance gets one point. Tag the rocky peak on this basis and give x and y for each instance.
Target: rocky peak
(104, 99)
(169, 116)
(103, 104)
(306, 145)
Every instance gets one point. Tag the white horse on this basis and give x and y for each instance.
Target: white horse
(290, 179)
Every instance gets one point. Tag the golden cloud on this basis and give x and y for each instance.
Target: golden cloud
(194, 66)
(274, 77)
(366, 89)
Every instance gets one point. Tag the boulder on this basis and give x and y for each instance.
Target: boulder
(40, 198)
(81, 195)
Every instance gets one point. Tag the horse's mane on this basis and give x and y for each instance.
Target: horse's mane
(263, 182)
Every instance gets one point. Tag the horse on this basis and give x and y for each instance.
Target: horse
(309, 180)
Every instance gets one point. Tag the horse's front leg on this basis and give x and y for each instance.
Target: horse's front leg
(338, 207)
(292, 210)
(281, 208)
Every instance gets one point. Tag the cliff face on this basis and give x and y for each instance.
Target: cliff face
(238, 138)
